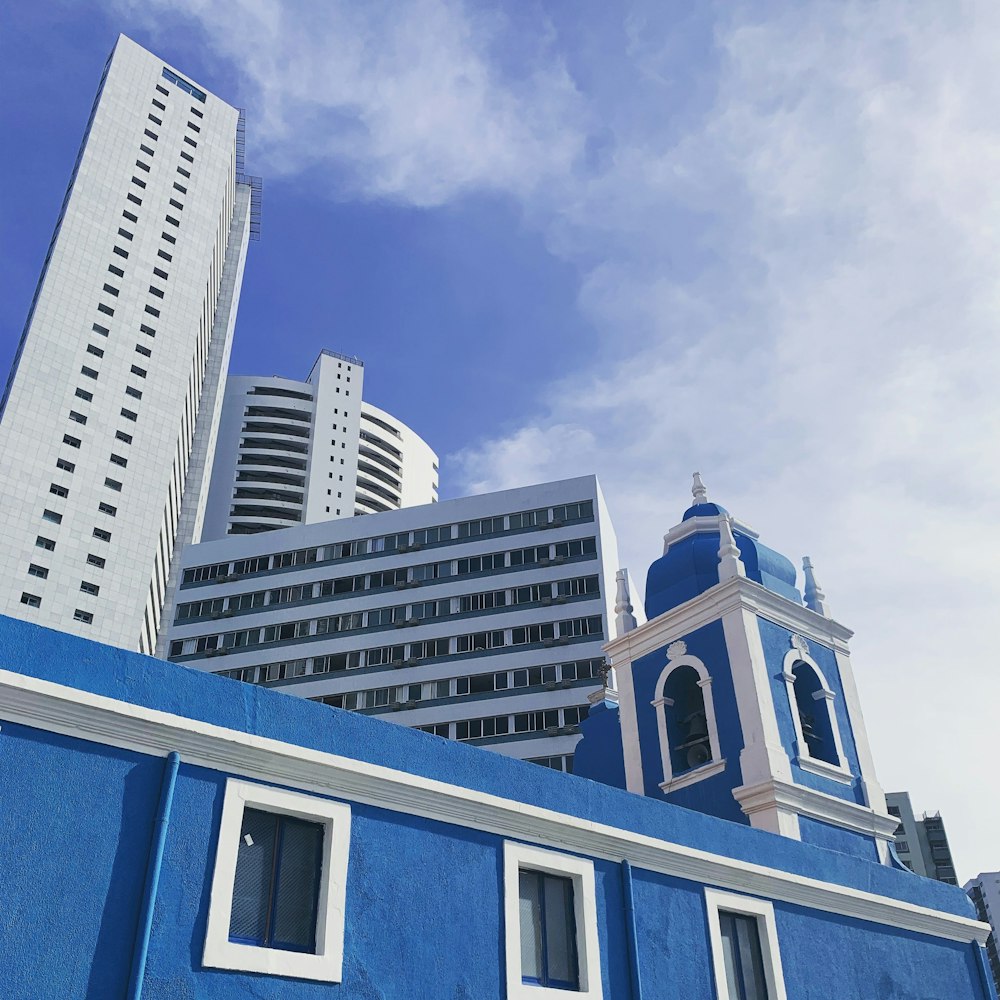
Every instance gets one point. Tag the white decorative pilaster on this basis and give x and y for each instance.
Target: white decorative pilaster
(814, 596)
(763, 759)
(730, 563)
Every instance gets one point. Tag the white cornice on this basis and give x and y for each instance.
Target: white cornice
(712, 605)
(72, 712)
(816, 805)
(696, 525)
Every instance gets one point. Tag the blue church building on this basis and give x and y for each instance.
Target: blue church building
(168, 834)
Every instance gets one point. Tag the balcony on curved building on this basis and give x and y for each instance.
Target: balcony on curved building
(268, 444)
(277, 461)
(269, 427)
(371, 470)
(264, 493)
(380, 491)
(279, 412)
(271, 478)
(377, 456)
(379, 443)
(371, 503)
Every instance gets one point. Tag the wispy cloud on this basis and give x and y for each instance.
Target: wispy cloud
(788, 246)
(399, 100)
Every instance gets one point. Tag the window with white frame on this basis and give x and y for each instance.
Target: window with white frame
(814, 716)
(279, 886)
(744, 940)
(685, 720)
(550, 925)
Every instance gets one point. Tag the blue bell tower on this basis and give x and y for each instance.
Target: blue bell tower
(737, 697)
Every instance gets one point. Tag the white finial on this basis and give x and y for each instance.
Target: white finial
(698, 490)
(730, 563)
(624, 619)
(815, 598)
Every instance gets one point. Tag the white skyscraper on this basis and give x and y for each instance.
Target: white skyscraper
(112, 405)
(293, 453)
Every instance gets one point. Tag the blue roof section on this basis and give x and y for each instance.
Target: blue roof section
(704, 510)
(690, 566)
(131, 677)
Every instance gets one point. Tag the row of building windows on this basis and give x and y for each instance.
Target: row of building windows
(290, 632)
(396, 579)
(412, 576)
(79, 615)
(547, 722)
(551, 675)
(280, 670)
(400, 542)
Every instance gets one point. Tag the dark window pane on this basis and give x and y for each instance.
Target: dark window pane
(742, 956)
(531, 927)
(297, 885)
(252, 885)
(559, 932)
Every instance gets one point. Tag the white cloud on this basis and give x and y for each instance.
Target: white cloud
(404, 100)
(794, 282)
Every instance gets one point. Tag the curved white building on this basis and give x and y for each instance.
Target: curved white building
(292, 452)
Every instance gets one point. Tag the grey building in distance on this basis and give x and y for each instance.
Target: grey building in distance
(922, 844)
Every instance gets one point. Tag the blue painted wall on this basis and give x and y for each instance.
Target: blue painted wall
(776, 642)
(711, 795)
(424, 914)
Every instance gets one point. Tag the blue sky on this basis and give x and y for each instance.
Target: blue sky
(757, 239)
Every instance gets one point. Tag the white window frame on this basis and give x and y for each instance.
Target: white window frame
(839, 771)
(660, 703)
(326, 965)
(763, 911)
(518, 857)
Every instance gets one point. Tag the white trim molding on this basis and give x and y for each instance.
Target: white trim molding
(518, 857)
(825, 697)
(677, 657)
(802, 801)
(713, 604)
(326, 964)
(80, 714)
(763, 912)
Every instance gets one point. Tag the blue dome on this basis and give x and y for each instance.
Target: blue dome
(704, 510)
(691, 566)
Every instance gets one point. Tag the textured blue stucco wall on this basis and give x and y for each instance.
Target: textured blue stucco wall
(599, 753)
(424, 917)
(837, 838)
(75, 825)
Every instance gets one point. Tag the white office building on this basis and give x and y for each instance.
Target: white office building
(111, 408)
(480, 619)
(299, 452)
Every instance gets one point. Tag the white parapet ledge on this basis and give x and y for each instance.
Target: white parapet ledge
(71, 712)
(711, 605)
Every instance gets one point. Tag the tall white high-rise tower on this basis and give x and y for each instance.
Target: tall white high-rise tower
(112, 406)
(293, 453)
